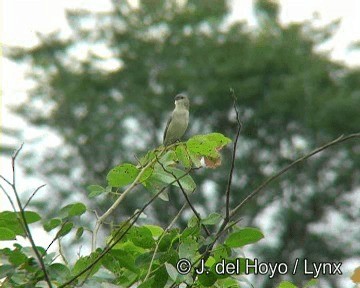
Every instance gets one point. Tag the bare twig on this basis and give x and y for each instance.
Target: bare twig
(341, 139)
(23, 218)
(56, 237)
(228, 188)
(232, 214)
(61, 252)
(9, 198)
(33, 194)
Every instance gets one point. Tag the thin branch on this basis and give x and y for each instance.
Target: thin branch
(57, 235)
(197, 214)
(61, 252)
(24, 222)
(9, 198)
(161, 237)
(228, 188)
(341, 139)
(223, 227)
(117, 237)
(33, 194)
(7, 181)
(102, 218)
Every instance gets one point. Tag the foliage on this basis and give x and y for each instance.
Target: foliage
(108, 106)
(145, 255)
(141, 255)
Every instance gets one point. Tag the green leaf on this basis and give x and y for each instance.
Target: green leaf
(183, 156)
(31, 217)
(95, 190)
(51, 224)
(75, 209)
(79, 232)
(156, 231)
(17, 257)
(286, 284)
(188, 248)
(122, 175)
(161, 277)
(115, 260)
(311, 283)
(172, 272)
(12, 221)
(207, 145)
(148, 283)
(7, 234)
(59, 271)
(141, 237)
(167, 177)
(244, 237)
(6, 270)
(221, 252)
(66, 229)
(228, 283)
(84, 262)
(212, 219)
(207, 279)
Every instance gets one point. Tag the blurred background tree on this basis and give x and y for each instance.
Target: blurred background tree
(107, 90)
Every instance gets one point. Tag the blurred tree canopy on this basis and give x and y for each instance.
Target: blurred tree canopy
(108, 88)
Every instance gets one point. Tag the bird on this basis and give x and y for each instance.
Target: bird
(178, 122)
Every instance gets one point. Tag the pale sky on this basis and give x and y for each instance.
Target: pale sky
(22, 19)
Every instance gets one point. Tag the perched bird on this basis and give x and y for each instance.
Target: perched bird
(179, 120)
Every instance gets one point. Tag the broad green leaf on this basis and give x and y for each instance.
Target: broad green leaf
(31, 217)
(153, 184)
(212, 219)
(244, 237)
(221, 252)
(11, 220)
(207, 145)
(183, 156)
(168, 240)
(122, 175)
(116, 260)
(188, 248)
(208, 279)
(59, 271)
(286, 284)
(66, 229)
(95, 190)
(161, 277)
(169, 158)
(143, 260)
(141, 237)
(149, 283)
(17, 257)
(156, 231)
(171, 174)
(7, 234)
(172, 272)
(75, 209)
(84, 262)
(51, 224)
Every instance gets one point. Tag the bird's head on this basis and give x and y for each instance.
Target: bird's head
(182, 100)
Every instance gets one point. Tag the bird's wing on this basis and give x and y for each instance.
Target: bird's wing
(167, 126)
